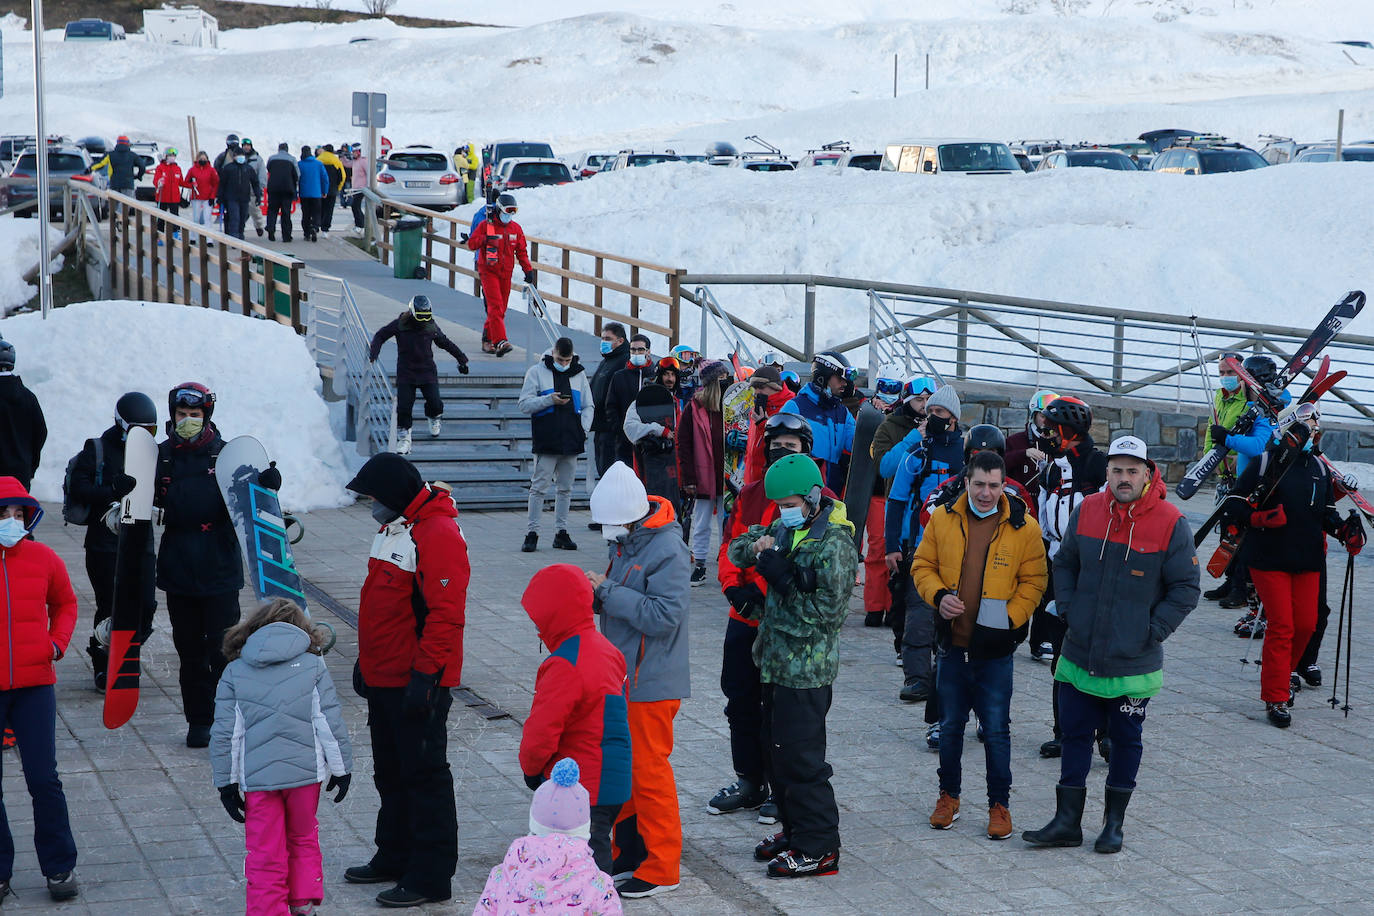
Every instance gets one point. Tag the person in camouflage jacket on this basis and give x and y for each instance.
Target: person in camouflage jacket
(809, 561)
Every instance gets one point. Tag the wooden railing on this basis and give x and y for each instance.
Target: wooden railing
(619, 288)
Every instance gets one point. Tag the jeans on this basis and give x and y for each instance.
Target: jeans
(739, 681)
(198, 625)
(283, 864)
(701, 527)
(235, 212)
(984, 686)
(794, 733)
(405, 402)
(32, 713)
(202, 212)
(1082, 716)
(558, 470)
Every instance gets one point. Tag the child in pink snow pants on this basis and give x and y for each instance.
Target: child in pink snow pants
(278, 734)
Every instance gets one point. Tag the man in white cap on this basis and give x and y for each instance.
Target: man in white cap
(643, 601)
(1125, 576)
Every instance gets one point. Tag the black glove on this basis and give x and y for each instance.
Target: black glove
(123, 485)
(1352, 534)
(1219, 434)
(232, 801)
(270, 479)
(775, 568)
(529, 277)
(463, 368)
(359, 685)
(418, 700)
(741, 596)
(341, 783)
(462, 237)
(534, 780)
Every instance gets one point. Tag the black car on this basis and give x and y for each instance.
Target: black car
(1208, 158)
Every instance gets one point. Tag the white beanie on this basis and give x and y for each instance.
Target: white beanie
(945, 396)
(619, 497)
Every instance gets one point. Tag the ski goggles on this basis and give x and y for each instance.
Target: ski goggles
(1305, 412)
(786, 422)
(888, 389)
(919, 386)
(189, 397)
(670, 362)
(848, 373)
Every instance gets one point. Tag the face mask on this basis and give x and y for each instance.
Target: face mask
(936, 425)
(606, 347)
(505, 217)
(614, 532)
(1307, 446)
(777, 453)
(978, 512)
(12, 531)
(384, 515)
(203, 162)
(240, 159)
(189, 427)
(639, 359)
(792, 516)
(559, 367)
(1230, 382)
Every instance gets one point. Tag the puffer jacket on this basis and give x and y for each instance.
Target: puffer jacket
(283, 175)
(557, 429)
(1304, 491)
(798, 643)
(167, 180)
(277, 719)
(415, 343)
(832, 430)
(94, 486)
(199, 553)
(919, 465)
(894, 428)
(1014, 576)
(123, 165)
(1124, 579)
(644, 602)
(548, 874)
(314, 177)
(203, 180)
(39, 604)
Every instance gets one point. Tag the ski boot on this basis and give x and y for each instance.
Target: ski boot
(740, 795)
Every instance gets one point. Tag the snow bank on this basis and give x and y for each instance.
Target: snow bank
(264, 377)
(18, 252)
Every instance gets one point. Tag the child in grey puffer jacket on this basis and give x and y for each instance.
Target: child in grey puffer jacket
(278, 734)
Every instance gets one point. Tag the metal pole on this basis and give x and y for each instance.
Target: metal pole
(894, 76)
(927, 71)
(809, 332)
(1340, 133)
(370, 212)
(44, 271)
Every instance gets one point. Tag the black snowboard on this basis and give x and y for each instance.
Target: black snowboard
(656, 456)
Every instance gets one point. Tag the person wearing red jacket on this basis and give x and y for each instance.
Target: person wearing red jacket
(203, 182)
(770, 395)
(579, 707)
(499, 243)
(410, 654)
(39, 611)
(167, 180)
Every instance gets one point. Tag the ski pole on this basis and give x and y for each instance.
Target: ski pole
(1202, 373)
(1342, 629)
(1256, 612)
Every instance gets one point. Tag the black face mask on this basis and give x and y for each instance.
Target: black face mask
(760, 402)
(777, 453)
(936, 425)
(384, 515)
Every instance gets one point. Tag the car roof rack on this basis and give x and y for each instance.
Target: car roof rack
(772, 150)
(837, 146)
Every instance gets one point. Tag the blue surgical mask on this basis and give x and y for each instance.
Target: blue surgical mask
(1230, 382)
(792, 516)
(1307, 446)
(606, 347)
(559, 367)
(240, 159)
(505, 217)
(972, 507)
(639, 359)
(12, 531)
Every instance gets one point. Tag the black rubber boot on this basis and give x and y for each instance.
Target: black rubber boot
(1109, 840)
(100, 660)
(1066, 829)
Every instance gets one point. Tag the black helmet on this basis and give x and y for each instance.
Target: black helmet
(983, 437)
(829, 364)
(1263, 369)
(506, 204)
(788, 424)
(231, 140)
(6, 355)
(134, 408)
(420, 309)
(1071, 414)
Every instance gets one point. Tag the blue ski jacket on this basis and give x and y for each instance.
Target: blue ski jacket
(919, 465)
(832, 429)
(1252, 444)
(314, 177)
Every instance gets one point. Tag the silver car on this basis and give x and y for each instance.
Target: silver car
(421, 176)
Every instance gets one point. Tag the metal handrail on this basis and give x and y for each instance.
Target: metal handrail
(343, 340)
(883, 327)
(710, 308)
(539, 315)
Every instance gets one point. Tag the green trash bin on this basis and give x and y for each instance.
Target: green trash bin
(281, 294)
(405, 253)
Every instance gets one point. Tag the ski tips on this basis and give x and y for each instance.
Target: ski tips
(1354, 298)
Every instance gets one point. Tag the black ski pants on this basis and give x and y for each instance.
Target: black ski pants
(739, 681)
(605, 443)
(198, 625)
(405, 402)
(794, 733)
(310, 215)
(417, 823)
(100, 570)
(327, 206)
(279, 202)
(357, 205)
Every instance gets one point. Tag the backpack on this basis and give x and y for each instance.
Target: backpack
(74, 513)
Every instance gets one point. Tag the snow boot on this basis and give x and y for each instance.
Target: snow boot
(1109, 840)
(1066, 827)
(1216, 594)
(403, 442)
(794, 864)
(1312, 675)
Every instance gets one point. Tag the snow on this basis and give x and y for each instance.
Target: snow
(265, 379)
(18, 253)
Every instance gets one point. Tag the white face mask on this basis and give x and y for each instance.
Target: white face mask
(614, 532)
(12, 531)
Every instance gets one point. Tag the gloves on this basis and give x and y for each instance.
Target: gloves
(775, 568)
(742, 596)
(232, 801)
(270, 479)
(463, 368)
(1269, 518)
(123, 485)
(1352, 534)
(359, 685)
(529, 277)
(534, 780)
(462, 237)
(341, 783)
(1219, 434)
(418, 700)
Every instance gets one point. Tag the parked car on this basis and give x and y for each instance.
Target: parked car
(639, 158)
(494, 152)
(867, 160)
(763, 162)
(1278, 150)
(1160, 140)
(829, 154)
(721, 153)
(147, 152)
(1356, 152)
(588, 162)
(422, 176)
(11, 145)
(1035, 150)
(1087, 158)
(960, 156)
(64, 161)
(531, 173)
(1207, 155)
(93, 30)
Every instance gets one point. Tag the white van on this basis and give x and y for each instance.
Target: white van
(93, 30)
(961, 156)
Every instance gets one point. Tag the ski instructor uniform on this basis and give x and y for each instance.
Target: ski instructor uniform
(499, 242)
(410, 655)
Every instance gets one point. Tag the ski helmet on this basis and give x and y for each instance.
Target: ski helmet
(667, 364)
(1297, 429)
(829, 364)
(788, 424)
(771, 358)
(887, 387)
(190, 394)
(985, 437)
(918, 385)
(169, 153)
(680, 353)
(6, 356)
(795, 475)
(1038, 402)
(231, 140)
(134, 408)
(1069, 414)
(420, 308)
(506, 204)
(791, 380)
(1263, 369)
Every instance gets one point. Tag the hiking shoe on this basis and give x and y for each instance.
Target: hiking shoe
(1043, 652)
(198, 736)
(638, 887)
(698, 574)
(768, 812)
(740, 795)
(1052, 748)
(531, 542)
(561, 541)
(770, 847)
(1278, 714)
(60, 887)
(999, 822)
(366, 874)
(1216, 594)
(874, 618)
(436, 425)
(1312, 675)
(793, 864)
(399, 897)
(933, 736)
(914, 693)
(946, 812)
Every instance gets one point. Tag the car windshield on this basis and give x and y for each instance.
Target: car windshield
(523, 151)
(597, 160)
(1101, 160)
(869, 163)
(535, 171)
(651, 159)
(417, 162)
(57, 162)
(769, 166)
(826, 160)
(88, 30)
(976, 157)
(1230, 160)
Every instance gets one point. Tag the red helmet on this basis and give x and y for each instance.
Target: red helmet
(191, 394)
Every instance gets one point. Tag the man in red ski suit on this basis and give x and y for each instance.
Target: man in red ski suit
(499, 241)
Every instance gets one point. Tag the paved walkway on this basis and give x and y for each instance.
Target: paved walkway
(1232, 815)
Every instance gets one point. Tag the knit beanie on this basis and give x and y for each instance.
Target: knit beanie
(619, 497)
(561, 805)
(945, 396)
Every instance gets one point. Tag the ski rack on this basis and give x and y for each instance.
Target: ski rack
(773, 152)
(837, 146)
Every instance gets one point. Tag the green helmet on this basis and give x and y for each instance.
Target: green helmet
(794, 475)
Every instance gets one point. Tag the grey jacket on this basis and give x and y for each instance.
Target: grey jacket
(643, 605)
(277, 718)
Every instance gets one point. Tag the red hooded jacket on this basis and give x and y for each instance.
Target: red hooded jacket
(167, 180)
(414, 601)
(754, 463)
(39, 605)
(579, 706)
(499, 245)
(203, 181)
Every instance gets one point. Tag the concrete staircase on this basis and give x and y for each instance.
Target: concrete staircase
(484, 449)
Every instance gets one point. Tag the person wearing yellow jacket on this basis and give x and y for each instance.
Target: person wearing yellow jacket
(981, 564)
(471, 165)
(333, 166)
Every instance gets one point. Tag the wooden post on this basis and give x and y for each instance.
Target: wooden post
(224, 297)
(245, 282)
(598, 294)
(155, 259)
(138, 218)
(567, 263)
(269, 289)
(429, 244)
(124, 261)
(534, 259)
(204, 256)
(186, 267)
(386, 237)
(294, 291)
(634, 300)
(114, 252)
(453, 245)
(675, 306)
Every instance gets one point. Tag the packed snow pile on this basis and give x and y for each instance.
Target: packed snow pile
(263, 376)
(18, 253)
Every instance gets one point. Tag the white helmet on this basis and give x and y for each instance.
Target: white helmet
(887, 386)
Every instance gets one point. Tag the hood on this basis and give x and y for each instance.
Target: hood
(275, 643)
(390, 479)
(778, 400)
(838, 514)
(432, 502)
(661, 515)
(559, 602)
(571, 371)
(12, 493)
(553, 871)
(1119, 516)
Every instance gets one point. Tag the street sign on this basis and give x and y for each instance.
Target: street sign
(360, 109)
(369, 109)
